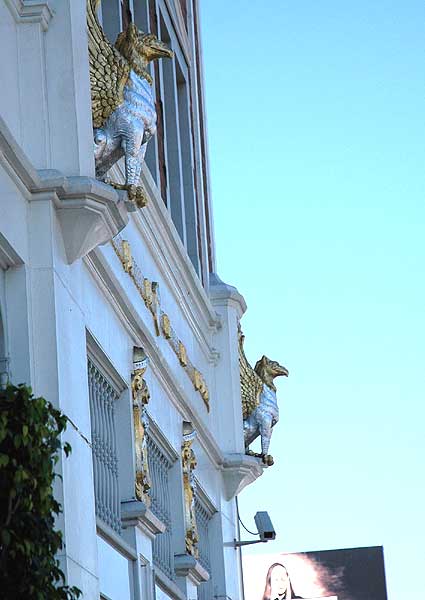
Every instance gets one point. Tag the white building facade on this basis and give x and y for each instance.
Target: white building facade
(88, 283)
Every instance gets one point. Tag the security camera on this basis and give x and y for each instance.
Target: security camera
(265, 530)
(265, 526)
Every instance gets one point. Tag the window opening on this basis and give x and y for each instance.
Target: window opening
(102, 398)
(159, 468)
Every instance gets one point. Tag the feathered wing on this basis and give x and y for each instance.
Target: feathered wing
(109, 70)
(251, 383)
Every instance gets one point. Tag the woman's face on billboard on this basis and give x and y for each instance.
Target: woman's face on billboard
(279, 581)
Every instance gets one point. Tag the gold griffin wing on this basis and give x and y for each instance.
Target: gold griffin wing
(251, 383)
(109, 70)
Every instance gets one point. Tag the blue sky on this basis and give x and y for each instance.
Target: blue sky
(316, 133)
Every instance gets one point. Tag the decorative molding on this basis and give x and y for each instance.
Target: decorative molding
(168, 586)
(31, 11)
(204, 499)
(158, 231)
(115, 540)
(149, 292)
(189, 487)
(104, 364)
(16, 162)
(186, 565)
(138, 514)
(140, 396)
(161, 440)
(240, 470)
(133, 323)
(90, 212)
(8, 256)
(223, 293)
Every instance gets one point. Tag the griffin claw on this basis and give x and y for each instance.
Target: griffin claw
(267, 459)
(135, 193)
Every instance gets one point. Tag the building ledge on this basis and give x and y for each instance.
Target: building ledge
(222, 293)
(31, 11)
(168, 586)
(136, 514)
(115, 540)
(239, 471)
(90, 213)
(186, 565)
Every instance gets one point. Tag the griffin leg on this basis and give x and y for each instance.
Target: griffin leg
(134, 152)
(266, 433)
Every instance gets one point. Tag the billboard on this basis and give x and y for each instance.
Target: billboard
(349, 574)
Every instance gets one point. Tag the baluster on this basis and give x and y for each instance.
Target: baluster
(94, 430)
(103, 454)
(116, 499)
(110, 479)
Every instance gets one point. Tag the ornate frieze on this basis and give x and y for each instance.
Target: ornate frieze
(140, 395)
(127, 261)
(189, 484)
(149, 292)
(182, 354)
(165, 326)
(259, 402)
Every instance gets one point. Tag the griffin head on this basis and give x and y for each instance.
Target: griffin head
(140, 48)
(268, 369)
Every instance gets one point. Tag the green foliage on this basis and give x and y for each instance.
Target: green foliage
(30, 430)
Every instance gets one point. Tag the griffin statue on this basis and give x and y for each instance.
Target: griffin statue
(259, 402)
(123, 108)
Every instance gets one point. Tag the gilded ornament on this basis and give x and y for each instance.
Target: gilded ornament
(166, 326)
(201, 387)
(182, 354)
(197, 380)
(154, 306)
(205, 396)
(189, 485)
(123, 107)
(141, 396)
(126, 258)
(259, 401)
(147, 292)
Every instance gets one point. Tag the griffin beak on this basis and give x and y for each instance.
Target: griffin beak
(284, 372)
(161, 50)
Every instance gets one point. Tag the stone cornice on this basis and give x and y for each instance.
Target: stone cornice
(31, 11)
(240, 470)
(90, 213)
(137, 514)
(186, 565)
(223, 293)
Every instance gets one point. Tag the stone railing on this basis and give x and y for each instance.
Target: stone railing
(159, 468)
(105, 459)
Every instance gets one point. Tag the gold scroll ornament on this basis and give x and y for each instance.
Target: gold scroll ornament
(189, 484)
(149, 291)
(140, 395)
